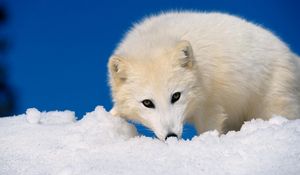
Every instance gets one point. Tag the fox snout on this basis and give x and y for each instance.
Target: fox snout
(171, 135)
(165, 133)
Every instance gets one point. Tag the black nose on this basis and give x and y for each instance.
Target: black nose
(171, 135)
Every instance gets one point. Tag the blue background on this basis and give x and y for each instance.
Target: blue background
(60, 48)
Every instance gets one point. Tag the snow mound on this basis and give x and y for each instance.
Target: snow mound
(55, 143)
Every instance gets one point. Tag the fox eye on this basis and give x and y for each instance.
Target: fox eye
(148, 103)
(175, 97)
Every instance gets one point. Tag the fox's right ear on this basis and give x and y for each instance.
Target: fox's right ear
(117, 68)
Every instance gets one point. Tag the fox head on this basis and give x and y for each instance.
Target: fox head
(158, 91)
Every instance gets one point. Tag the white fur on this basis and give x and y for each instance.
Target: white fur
(234, 71)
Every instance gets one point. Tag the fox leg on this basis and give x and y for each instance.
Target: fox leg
(212, 118)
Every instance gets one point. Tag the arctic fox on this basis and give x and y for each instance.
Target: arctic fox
(211, 69)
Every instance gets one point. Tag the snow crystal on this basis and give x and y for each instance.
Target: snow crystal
(33, 115)
(55, 143)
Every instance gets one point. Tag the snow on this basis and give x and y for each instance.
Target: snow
(56, 143)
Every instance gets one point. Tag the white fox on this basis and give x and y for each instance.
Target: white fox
(211, 69)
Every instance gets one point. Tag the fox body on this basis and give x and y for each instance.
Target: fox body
(211, 69)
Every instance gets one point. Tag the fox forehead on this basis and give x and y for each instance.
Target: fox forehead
(157, 71)
(152, 78)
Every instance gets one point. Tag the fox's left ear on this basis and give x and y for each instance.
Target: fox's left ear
(184, 54)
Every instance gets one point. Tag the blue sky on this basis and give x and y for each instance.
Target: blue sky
(60, 48)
